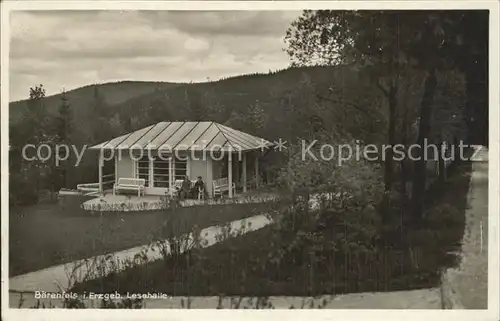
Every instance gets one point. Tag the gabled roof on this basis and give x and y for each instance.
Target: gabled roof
(202, 135)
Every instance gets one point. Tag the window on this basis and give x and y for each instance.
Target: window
(161, 172)
(143, 169)
(180, 167)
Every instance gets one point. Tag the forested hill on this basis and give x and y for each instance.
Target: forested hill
(294, 103)
(80, 98)
(289, 103)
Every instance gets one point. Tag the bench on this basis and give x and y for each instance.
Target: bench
(221, 185)
(130, 184)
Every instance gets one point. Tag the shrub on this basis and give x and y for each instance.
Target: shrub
(444, 215)
(332, 214)
(22, 191)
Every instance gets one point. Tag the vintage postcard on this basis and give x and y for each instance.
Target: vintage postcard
(322, 160)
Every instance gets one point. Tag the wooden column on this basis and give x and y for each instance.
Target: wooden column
(257, 177)
(116, 167)
(244, 178)
(170, 178)
(237, 174)
(230, 173)
(188, 167)
(151, 171)
(209, 177)
(101, 163)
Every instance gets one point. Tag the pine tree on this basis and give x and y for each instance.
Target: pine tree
(63, 121)
(62, 129)
(100, 128)
(36, 131)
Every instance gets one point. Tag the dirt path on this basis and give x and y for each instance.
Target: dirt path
(62, 276)
(467, 285)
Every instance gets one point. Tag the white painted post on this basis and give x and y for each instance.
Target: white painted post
(230, 173)
(209, 178)
(170, 178)
(244, 178)
(116, 168)
(257, 177)
(151, 171)
(135, 170)
(100, 171)
(173, 168)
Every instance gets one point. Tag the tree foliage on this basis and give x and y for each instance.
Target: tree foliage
(392, 46)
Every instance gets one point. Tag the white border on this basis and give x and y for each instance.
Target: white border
(494, 164)
(493, 204)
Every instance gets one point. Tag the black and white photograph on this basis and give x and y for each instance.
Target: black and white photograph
(283, 156)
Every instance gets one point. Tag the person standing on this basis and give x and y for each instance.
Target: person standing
(185, 188)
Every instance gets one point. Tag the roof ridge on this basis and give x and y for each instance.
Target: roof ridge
(202, 133)
(244, 135)
(185, 135)
(146, 144)
(172, 134)
(229, 133)
(144, 134)
(223, 134)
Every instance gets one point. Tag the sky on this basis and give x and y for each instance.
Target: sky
(70, 49)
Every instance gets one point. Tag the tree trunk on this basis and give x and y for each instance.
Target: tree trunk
(404, 168)
(441, 163)
(389, 155)
(475, 68)
(419, 173)
(477, 102)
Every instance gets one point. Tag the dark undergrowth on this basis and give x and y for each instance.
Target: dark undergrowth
(407, 258)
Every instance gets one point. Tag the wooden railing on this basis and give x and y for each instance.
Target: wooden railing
(88, 188)
(108, 180)
(93, 188)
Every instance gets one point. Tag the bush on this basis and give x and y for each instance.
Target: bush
(332, 214)
(444, 215)
(22, 190)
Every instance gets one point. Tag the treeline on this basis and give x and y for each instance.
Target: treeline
(298, 103)
(428, 70)
(408, 51)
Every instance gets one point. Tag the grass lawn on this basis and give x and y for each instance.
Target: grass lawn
(44, 235)
(240, 266)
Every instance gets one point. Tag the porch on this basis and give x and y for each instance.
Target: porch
(107, 202)
(160, 156)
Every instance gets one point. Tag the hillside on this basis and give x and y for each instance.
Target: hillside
(339, 103)
(290, 103)
(293, 91)
(280, 100)
(81, 98)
